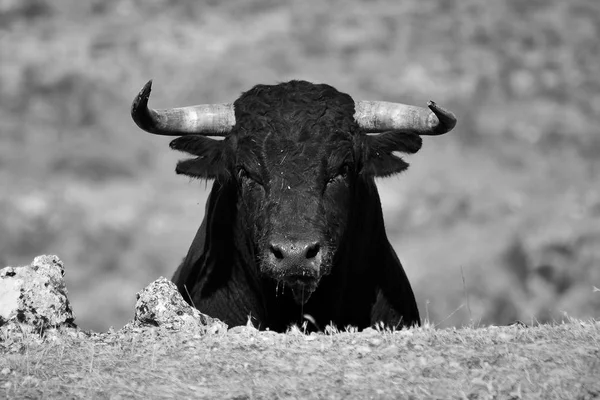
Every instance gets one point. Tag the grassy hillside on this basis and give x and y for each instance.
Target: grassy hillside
(542, 362)
(497, 221)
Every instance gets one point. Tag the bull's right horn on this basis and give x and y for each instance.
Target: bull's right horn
(380, 116)
(203, 119)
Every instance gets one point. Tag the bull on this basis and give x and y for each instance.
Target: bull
(293, 224)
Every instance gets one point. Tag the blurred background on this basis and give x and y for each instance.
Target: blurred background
(495, 222)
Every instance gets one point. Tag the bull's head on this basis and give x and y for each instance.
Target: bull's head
(295, 151)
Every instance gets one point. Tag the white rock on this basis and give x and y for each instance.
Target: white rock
(161, 304)
(36, 294)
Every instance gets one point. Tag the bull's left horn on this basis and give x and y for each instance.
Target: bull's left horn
(381, 116)
(203, 119)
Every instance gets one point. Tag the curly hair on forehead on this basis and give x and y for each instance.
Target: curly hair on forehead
(295, 107)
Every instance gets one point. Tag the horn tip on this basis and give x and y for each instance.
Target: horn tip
(139, 107)
(447, 119)
(145, 92)
(142, 98)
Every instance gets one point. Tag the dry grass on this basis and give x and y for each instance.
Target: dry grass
(542, 362)
(509, 200)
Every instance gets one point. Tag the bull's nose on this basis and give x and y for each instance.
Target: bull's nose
(294, 251)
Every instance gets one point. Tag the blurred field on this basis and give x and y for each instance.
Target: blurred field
(497, 221)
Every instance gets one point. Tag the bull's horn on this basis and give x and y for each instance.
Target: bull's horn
(203, 119)
(380, 116)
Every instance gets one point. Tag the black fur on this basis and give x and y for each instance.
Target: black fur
(380, 160)
(296, 165)
(212, 160)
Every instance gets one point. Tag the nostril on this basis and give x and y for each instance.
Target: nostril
(276, 252)
(313, 250)
(294, 251)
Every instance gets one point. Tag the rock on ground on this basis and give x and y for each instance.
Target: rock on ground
(161, 304)
(36, 294)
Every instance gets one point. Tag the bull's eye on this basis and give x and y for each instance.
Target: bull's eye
(244, 175)
(341, 175)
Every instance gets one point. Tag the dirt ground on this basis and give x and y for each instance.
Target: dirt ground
(517, 362)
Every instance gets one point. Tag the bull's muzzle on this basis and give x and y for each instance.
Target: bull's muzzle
(298, 265)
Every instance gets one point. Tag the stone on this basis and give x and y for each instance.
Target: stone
(36, 294)
(161, 304)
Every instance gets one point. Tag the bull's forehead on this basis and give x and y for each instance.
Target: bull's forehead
(295, 128)
(292, 162)
(305, 149)
(283, 142)
(285, 159)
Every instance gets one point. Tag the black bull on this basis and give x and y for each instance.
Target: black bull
(293, 224)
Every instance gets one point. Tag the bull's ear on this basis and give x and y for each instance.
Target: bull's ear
(211, 160)
(380, 159)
